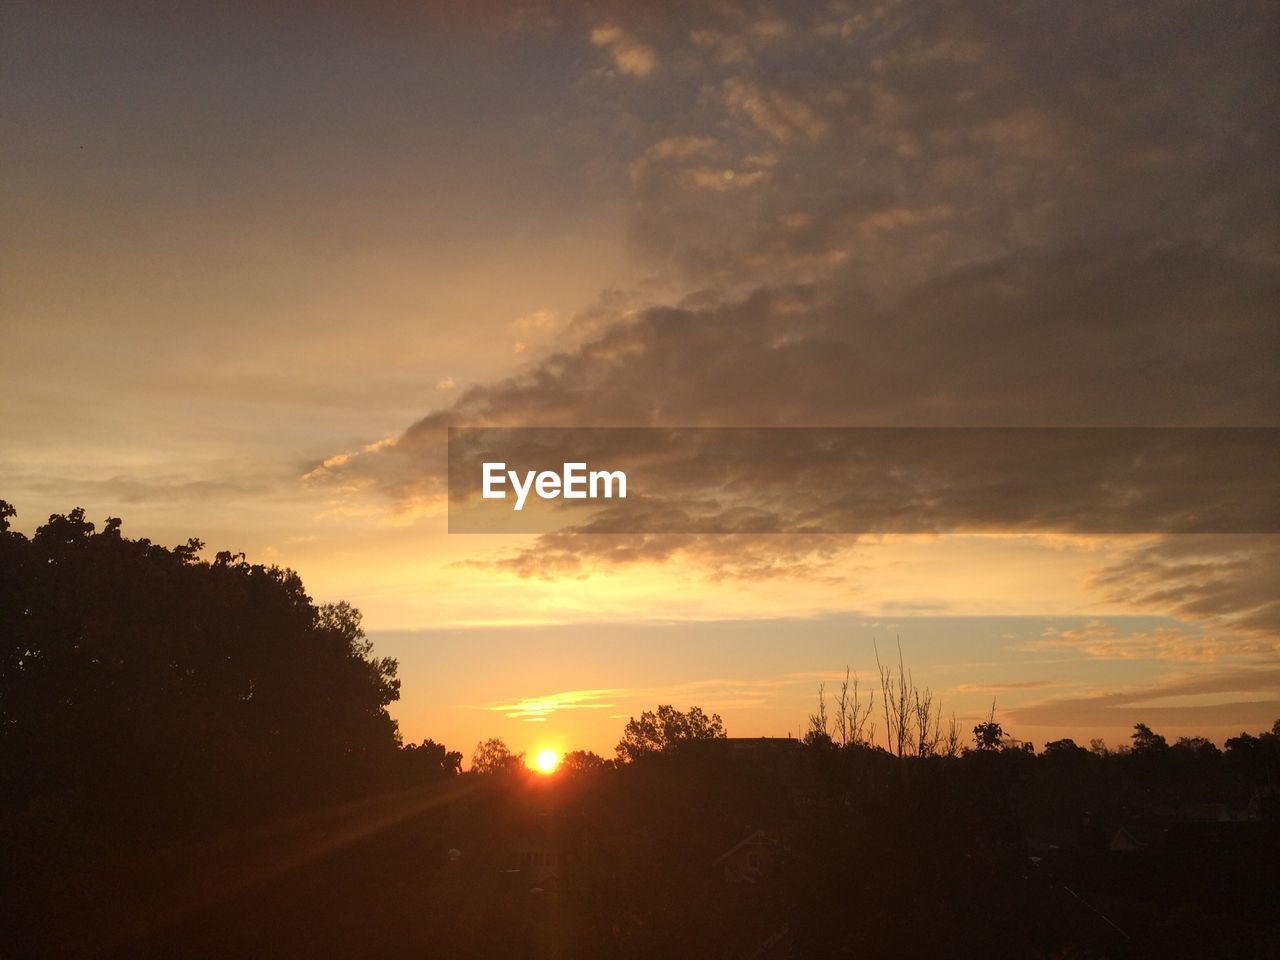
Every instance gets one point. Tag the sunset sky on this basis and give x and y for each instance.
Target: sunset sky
(256, 259)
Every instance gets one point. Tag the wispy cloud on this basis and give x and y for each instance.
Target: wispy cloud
(539, 708)
(711, 694)
(1244, 696)
(1229, 583)
(629, 55)
(1105, 641)
(1002, 685)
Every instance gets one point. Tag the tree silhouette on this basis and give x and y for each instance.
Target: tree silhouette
(494, 756)
(1146, 740)
(666, 729)
(141, 685)
(1065, 747)
(583, 761)
(430, 760)
(988, 735)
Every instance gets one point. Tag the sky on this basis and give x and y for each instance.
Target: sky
(256, 259)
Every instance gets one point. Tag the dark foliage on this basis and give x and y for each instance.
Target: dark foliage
(666, 729)
(152, 701)
(144, 689)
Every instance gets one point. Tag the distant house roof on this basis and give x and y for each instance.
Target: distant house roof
(757, 838)
(1122, 841)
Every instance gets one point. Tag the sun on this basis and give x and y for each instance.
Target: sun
(546, 761)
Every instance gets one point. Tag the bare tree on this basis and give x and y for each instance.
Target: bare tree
(820, 723)
(912, 716)
(853, 717)
(842, 709)
(928, 722)
(951, 742)
(896, 702)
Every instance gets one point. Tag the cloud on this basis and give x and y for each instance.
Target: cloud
(1022, 124)
(1104, 641)
(680, 147)
(226, 485)
(937, 216)
(721, 179)
(1008, 685)
(782, 117)
(1229, 583)
(1002, 343)
(826, 480)
(804, 355)
(1126, 707)
(714, 693)
(539, 708)
(721, 557)
(629, 55)
(535, 330)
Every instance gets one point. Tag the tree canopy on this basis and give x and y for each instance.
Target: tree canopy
(494, 756)
(665, 729)
(1146, 740)
(433, 760)
(142, 683)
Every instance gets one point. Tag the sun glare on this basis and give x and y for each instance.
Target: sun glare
(546, 761)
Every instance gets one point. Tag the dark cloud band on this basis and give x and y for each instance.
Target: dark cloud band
(891, 480)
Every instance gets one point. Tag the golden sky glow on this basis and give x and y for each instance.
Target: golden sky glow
(251, 272)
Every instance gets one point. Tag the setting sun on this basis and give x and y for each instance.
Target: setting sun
(546, 761)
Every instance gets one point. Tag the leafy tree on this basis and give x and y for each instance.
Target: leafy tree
(666, 729)
(1146, 740)
(1065, 747)
(431, 760)
(1256, 759)
(582, 761)
(142, 686)
(988, 735)
(818, 738)
(1198, 746)
(494, 756)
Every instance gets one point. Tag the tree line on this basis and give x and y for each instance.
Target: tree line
(152, 697)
